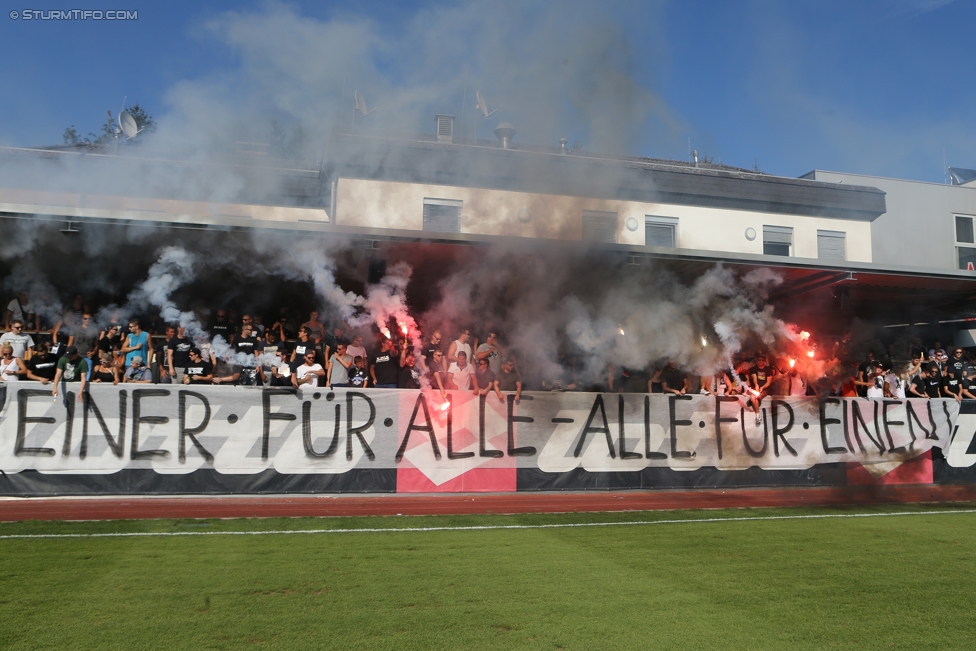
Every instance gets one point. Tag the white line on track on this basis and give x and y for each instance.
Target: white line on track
(500, 527)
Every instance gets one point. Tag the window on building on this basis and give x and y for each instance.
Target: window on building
(966, 255)
(964, 229)
(443, 215)
(777, 240)
(599, 226)
(831, 245)
(660, 231)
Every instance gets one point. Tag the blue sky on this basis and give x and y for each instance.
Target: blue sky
(868, 87)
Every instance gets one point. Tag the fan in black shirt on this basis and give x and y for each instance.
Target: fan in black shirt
(916, 389)
(409, 374)
(302, 345)
(198, 371)
(952, 385)
(42, 366)
(221, 326)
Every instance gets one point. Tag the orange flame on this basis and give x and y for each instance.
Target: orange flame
(804, 335)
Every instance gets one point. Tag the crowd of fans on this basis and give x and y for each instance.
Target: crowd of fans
(74, 349)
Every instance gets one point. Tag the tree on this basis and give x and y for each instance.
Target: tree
(144, 121)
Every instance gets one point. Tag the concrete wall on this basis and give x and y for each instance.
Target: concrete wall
(388, 204)
(94, 206)
(918, 229)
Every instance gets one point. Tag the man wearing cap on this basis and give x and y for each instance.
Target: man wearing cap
(875, 381)
(138, 372)
(71, 368)
(864, 370)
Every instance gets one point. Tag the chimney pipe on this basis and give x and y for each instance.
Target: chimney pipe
(505, 132)
(562, 145)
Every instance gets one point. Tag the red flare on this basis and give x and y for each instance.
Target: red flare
(792, 362)
(810, 353)
(804, 335)
(445, 406)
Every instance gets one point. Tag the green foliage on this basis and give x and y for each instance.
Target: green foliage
(144, 121)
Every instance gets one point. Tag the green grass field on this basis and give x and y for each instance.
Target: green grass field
(898, 582)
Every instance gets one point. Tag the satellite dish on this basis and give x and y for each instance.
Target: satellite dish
(482, 105)
(128, 125)
(361, 105)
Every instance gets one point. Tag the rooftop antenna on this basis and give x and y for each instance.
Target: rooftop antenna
(482, 105)
(118, 128)
(70, 227)
(464, 100)
(361, 105)
(126, 126)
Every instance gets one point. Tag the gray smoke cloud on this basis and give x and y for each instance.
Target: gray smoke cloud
(557, 70)
(552, 307)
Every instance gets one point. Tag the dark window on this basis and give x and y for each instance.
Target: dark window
(599, 226)
(831, 245)
(964, 229)
(660, 232)
(967, 256)
(777, 240)
(443, 215)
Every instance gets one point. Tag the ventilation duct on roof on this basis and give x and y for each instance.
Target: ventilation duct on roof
(505, 132)
(445, 128)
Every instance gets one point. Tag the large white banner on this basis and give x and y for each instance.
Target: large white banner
(237, 430)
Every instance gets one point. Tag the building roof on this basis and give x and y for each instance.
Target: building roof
(421, 158)
(549, 171)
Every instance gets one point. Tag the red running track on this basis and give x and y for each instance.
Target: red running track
(267, 506)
